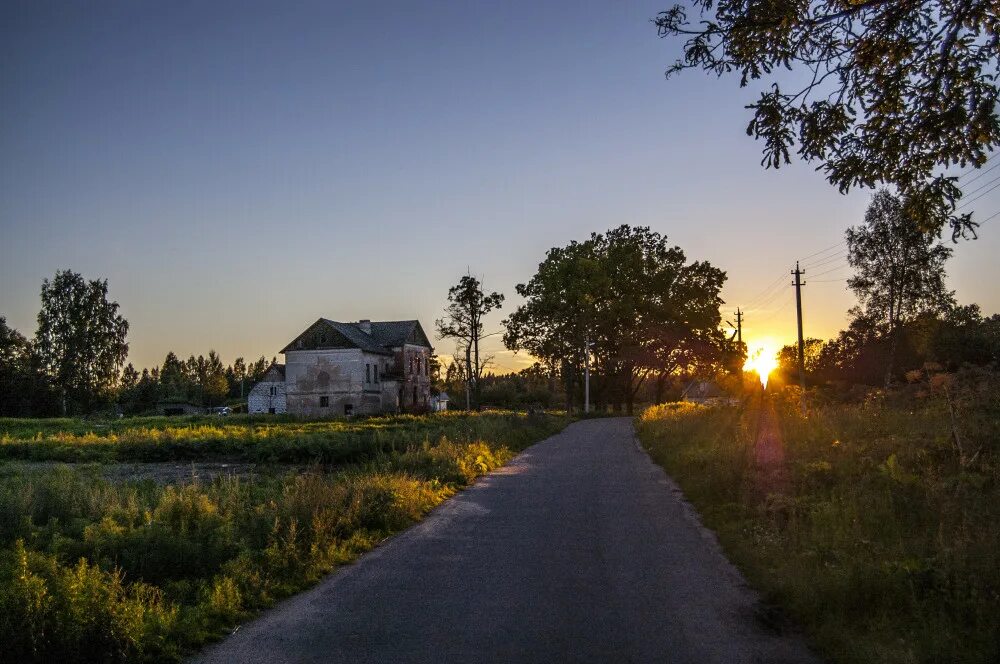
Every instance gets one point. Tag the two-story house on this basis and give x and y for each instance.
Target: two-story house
(368, 367)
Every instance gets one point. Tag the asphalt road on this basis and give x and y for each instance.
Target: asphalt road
(580, 550)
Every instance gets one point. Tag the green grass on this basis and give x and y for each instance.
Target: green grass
(859, 522)
(268, 440)
(92, 570)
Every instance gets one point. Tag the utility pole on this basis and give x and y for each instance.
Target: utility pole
(739, 325)
(798, 311)
(586, 376)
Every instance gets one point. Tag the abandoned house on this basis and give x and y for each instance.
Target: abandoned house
(268, 395)
(362, 368)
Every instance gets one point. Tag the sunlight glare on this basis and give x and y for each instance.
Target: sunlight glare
(762, 360)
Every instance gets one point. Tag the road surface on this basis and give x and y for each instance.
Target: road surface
(579, 550)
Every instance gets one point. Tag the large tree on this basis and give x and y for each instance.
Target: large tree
(899, 271)
(633, 298)
(80, 340)
(463, 321)
(15, 358)
(882, 91)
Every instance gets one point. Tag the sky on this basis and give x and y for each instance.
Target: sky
(236, 170)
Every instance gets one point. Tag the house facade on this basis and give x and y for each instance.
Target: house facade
(268, 395)
(363, 368)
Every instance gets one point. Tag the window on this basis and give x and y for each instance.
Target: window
(324, 402)
(376, 372)
(270, 411)
(368, 373)
(414, 395)
(348, 409)
(274, 390)
(418, 364)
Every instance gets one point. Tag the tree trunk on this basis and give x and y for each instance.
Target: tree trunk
(894, 337)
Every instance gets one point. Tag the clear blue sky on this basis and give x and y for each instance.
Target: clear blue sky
(237, 170)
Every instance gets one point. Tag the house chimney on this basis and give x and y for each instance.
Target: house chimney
(365, 325)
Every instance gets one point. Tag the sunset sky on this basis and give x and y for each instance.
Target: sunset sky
(237, 170)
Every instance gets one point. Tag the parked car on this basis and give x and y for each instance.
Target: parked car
(221, 410)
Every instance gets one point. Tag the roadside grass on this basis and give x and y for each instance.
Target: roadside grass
(92, 570)
(868, 530)
(285, 440)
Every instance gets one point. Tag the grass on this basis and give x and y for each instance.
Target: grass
(92, 570)
(268, 440)
(862, 523)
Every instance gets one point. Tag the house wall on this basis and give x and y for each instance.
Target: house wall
(339, 374)
(407, 358)
(266, 395)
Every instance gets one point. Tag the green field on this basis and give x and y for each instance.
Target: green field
(94, 570)
(862, 523)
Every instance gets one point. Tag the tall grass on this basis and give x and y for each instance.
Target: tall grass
(289, 441)
(98, 571)
(860, 521)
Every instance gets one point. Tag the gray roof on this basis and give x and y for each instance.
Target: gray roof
(359, 337)
(383, 337)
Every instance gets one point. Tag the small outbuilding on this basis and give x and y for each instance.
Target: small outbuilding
(439, 402)
(268, 395)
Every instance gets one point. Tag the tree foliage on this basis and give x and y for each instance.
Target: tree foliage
(463, 321)
(80, 340)
(890, 92)
(899, 270)
(645, 310)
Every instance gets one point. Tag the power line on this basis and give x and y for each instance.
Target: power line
(992, 216)
(826, 261)
(974, 167)
(833, 269)
(823, 251)
(983, 173)
(996, 179)
(978, 197)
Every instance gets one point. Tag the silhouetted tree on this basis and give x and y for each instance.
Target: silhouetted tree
(899, 271)
(80, 340)
(463, 321)
(894, 92)
(634, 298)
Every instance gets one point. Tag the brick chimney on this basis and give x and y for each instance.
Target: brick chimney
(365, 325)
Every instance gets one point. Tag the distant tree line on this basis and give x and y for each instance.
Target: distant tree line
(201, 381)
(75, 363)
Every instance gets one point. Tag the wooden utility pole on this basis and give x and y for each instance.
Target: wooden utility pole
(739, 325)
(798, 312)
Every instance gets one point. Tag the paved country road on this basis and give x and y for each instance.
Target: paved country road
(579, 550)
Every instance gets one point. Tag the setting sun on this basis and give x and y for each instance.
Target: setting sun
(763, 359)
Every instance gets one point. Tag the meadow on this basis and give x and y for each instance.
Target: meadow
(94, 570)
(873, 526)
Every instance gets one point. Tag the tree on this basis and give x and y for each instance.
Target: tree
(80, 339)
(893, 92)
(643, 309)
(899, 271)
(173, 377)
(15, 356)
(463, 321)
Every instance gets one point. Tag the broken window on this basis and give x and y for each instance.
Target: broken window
(324, 402)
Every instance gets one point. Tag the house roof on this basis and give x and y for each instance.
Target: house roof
(280, 368)
(382, 337)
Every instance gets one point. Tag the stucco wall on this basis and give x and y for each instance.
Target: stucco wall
(340, 375)
(261, 399)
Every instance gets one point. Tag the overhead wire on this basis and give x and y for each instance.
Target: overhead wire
(971, 200)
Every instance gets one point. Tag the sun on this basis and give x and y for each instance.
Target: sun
(762, 360)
